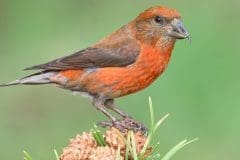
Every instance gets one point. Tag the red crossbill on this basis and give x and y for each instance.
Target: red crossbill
(122, 63)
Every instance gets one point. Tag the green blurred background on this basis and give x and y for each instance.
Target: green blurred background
(200, 88)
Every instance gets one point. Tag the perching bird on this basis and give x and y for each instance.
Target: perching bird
(122, 63)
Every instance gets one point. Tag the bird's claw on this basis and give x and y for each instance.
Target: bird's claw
(125, 125)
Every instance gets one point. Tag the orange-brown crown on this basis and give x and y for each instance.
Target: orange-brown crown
(159, 11)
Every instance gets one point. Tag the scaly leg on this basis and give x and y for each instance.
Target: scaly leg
(124, 125)
(99, 104)
(109, 103)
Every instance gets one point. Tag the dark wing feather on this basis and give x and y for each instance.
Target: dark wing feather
(114, 55)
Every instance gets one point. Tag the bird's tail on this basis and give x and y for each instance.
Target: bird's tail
(34, 79)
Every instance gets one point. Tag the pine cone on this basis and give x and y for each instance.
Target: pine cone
(70, 154)
(85, 147)
(140, 141)
(79, 148)
(115, 139)
(104, 153)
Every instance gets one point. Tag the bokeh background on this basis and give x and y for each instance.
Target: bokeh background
(200, 88)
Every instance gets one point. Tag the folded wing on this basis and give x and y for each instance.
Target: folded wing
(120, 54)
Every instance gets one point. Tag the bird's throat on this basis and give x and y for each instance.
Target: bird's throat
(154, 56)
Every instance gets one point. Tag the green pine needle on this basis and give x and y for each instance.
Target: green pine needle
(119, 153)
(56, 154)
(153, 128)
(128, 146)
(155, 147)
(176, 148)
(153, 157)
(98, 136)
(151, 112)
(135, 155)
(27, 156)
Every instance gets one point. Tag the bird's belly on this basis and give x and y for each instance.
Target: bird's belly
(110, 82)
(117, 82)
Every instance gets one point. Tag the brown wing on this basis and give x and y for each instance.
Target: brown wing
(119, 54)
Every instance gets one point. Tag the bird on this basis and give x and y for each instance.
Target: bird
(122, 63)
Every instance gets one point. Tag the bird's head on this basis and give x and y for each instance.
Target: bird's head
(159, 24)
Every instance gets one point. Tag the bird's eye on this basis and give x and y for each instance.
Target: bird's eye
(159, 19)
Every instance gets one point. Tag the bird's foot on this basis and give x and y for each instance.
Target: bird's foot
(125, 125)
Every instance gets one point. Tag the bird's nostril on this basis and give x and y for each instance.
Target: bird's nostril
(183, 30)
